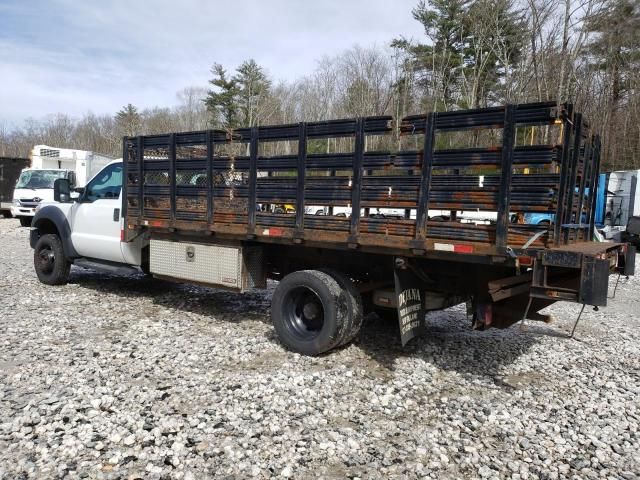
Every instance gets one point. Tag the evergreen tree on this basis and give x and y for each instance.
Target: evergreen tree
(128, 120)
(615, 52)
(221, 102)
(438, 63)
(615, 49)
(236, 101)
(496, 35)
(253, 89)
(473, 45)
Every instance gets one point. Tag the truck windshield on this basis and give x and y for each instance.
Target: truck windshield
(39, 178)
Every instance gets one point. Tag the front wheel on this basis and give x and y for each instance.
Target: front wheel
(25, 221)
(52, 267)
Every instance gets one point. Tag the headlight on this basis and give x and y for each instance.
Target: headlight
(16, 202)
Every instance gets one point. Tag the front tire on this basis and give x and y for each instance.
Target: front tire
(52, 267)
(25, 221)
(310, 312)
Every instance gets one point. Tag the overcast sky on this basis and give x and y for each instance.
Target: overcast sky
(75, 56)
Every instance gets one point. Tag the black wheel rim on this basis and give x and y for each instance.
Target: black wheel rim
(46, 259)
(303, 313)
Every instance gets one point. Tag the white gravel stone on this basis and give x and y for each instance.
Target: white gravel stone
(128, 377)
(286, 472)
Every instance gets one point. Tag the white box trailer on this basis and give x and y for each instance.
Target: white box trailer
(35, 184)
(85, 164)
(623, 197)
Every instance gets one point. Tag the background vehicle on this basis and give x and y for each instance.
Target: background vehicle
(623, 197)
(47, 164)
(546, 218)
(632, 233)
(146, 211)
(10, 169)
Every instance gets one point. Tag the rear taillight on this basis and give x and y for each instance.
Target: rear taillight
(525, 261)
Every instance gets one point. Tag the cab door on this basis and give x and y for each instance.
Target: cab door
(96, 216)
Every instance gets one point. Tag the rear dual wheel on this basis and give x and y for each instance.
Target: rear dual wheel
(315, 311)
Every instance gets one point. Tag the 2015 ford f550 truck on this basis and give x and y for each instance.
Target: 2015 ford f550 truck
(198, 207)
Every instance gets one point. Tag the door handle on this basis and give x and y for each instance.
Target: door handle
(116, 214)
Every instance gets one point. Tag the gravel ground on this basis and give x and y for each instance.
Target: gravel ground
(127, 377)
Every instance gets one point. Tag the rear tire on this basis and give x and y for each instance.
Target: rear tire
(52, 267)
(310, 312)
(25, 221)
(354, 303)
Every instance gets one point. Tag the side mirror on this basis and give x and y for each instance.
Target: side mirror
(62, 190)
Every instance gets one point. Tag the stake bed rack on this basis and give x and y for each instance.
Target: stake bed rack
(219, 182)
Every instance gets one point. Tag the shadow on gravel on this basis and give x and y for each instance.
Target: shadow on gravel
(448, 343)
(221, 304)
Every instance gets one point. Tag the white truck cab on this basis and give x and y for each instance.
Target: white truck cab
(86, 230)
(35, 186)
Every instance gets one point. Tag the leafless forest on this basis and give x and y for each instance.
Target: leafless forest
(472, 54)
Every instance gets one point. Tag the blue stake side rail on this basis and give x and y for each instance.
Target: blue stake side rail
(230, 183)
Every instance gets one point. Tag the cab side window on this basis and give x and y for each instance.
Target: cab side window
(107, 184)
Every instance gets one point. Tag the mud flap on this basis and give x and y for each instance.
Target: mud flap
(629, 261)
(411, 310)
(594, 282)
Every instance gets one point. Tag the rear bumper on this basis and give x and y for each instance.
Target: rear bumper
(580, 272)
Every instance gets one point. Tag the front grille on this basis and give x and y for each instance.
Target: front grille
(29, 202)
